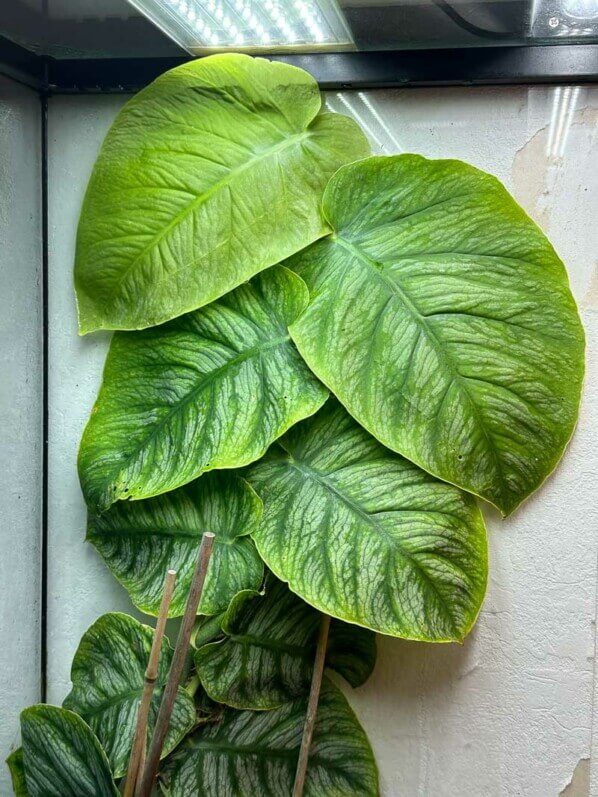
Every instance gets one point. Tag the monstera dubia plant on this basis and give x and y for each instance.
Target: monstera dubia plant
(323, 358)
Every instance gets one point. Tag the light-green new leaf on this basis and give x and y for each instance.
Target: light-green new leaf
(108, 677)
(250, 753)
(267, 654)
(366, 536)
(209, 175)
(16, 765)
(62, 755)
(209, 390)
(442, 319)
(141, 540)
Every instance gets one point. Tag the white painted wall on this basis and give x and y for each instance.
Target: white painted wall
(509, 713)
(20, 410)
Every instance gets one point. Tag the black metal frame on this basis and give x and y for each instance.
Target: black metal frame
(497, 65)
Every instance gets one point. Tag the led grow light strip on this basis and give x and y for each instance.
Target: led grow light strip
(253, 25)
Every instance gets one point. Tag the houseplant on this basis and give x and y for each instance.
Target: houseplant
(416, 291)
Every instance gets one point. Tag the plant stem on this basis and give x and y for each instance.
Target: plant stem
(176, 668)
(151, 673)
(192, 687)
(312, 706)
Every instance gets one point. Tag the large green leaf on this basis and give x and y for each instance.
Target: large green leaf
(62, 756)
(267, 655)
(211, 174)
(254, 754)
(442, 319)
(16, 765)
(211, 389)
(141, 540)
(366, 536)
(108, 676)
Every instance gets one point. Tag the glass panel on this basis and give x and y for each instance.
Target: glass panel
(83, 29)
(20, 409)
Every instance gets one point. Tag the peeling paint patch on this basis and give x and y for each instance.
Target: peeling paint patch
(538, 165)
(590, 300)
(531, 178)
(579, 785)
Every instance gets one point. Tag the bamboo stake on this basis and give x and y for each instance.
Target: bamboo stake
(176, 668)
(151, 673)
(312, 706)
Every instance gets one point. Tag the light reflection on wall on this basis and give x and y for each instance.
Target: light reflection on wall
(361, 108)
(564, 104)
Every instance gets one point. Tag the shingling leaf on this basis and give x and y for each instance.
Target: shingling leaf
(16, 765)
(211, 389)
(209, 175)
(141, 540)
(442, 319)
(250, 753)
(108, 676)
(62, 756)
(266, 657)
(366, 536)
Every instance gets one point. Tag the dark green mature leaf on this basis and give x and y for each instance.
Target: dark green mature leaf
(442, 319)
(251, 753)
(366, 536)
(209, 390)
(16, 766)
(267, 655)
(209, 175)
(62, 755)
(108, 676)
(141, 540)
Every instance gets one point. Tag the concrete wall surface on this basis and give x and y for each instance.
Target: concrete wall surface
(509, 713)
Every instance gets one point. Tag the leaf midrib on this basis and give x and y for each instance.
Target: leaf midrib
(228, 748)
(321, 479)
(271, 644)
(397, 290)
(207, 379)
(201, 198)
(116, 700)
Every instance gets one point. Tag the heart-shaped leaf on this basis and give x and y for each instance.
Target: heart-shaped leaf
(16, 766)
(62, 755)
(267, 655)
(211, 389)
(442, 319)
(250, 753)
(209, 175)
(141, 540)
(108, 676)
(366, 536)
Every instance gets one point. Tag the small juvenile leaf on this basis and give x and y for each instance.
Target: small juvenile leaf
(207, 629)
(442, 319)
(267, 655)
(209, 390)
(366, 536)
(251, 753)
(108, 676)
(209, 175)
(62, 755)
(141, 540)
(16, 766)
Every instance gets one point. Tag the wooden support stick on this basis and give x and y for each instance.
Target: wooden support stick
(176, 668)
(151, 673)
(312, 706)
